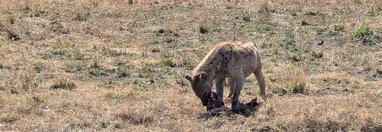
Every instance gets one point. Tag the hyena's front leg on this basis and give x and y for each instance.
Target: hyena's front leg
(220, 87)
(235, 98)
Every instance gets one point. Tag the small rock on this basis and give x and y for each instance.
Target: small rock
(304, 23)
(247, 18)
(339, 28)
(155, 50)
(320, 42)
(203, 30)
(311, 13)
(14, 92)
(2, 125)
(46, 109)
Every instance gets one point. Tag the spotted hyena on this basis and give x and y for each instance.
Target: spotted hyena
(232, 60)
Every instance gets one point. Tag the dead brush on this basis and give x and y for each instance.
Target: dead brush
(21, 81)
(63, 83)
(290, 81)
(132, 117)
(8, 118)
(264, 6)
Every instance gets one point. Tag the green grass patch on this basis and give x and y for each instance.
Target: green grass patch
(122, 72)
(363, 32)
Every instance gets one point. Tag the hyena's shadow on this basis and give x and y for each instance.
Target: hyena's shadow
(245, 110)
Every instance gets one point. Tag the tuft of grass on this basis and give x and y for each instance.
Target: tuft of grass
(58, 53)
(5, 65)
(161, 31)
(264, 6)
(339, 28)
(168, 31)
(1, 65)
(203, 29)
(304, 23)
(8, 118)
(135, 118)
(291, 81)
(28, 11)
(63, 84)
(36, 101)
(118, 125)
(81, 16)
(116, 53)
(299, 86)
(72, 67)
(317, 54)
(379, 70)
(95, 64)
(98, 72)
(13, 36)
(38, 67)
(78, 55)
(295, 57)
(311, 13)
(167, 62)
(247, 18)
(363, 32)
(122, 72)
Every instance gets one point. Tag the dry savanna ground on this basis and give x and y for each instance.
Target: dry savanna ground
(68, 65)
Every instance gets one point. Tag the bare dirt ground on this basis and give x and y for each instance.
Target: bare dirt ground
(109, 65)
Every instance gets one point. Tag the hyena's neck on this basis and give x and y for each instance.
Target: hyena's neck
(208, 65)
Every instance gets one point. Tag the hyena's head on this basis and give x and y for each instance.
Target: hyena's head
(200, 86)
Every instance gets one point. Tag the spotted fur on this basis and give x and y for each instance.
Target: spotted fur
(232, 60)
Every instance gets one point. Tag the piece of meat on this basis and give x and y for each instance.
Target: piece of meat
(248, 108)
(253, 104)
(214, 101)
(215, 106)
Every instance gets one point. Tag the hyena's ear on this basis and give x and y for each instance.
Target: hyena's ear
(188, 78)
(203, 76)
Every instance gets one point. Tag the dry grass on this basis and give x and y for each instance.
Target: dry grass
(112, 65)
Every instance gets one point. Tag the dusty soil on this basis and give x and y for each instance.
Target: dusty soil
(109, 65)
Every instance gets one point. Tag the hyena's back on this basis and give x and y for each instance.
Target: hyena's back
(231, 58)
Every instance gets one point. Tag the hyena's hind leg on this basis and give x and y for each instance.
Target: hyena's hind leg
(260, 79)
(231, 84)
